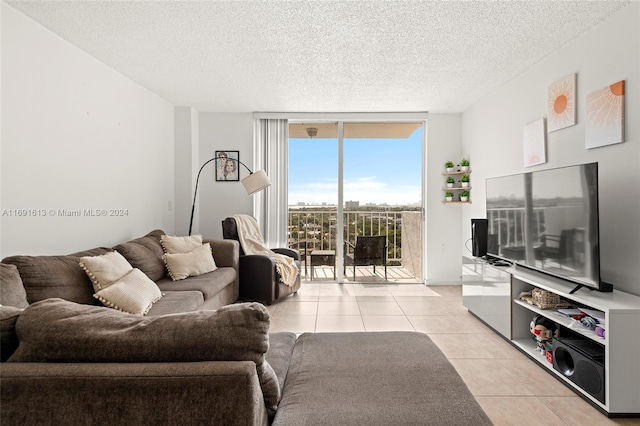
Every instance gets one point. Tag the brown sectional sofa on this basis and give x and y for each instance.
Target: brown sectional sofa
(45, 277)
(162, 374)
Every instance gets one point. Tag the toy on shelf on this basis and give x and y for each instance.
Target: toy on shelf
(544, 331)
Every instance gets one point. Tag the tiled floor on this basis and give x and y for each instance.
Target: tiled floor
(512, 389)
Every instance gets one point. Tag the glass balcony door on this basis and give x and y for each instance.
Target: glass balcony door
(351, 179)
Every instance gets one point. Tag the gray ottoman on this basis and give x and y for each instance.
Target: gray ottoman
(390, 378)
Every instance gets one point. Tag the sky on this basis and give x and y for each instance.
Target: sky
(375, 170)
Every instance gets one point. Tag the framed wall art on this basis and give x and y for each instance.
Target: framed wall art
(605, 116)
(534, 138)
(227, 166)
(561, 106)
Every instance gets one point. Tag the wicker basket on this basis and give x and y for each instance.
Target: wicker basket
(544, 299)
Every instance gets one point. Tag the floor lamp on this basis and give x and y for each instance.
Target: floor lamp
(253, 183)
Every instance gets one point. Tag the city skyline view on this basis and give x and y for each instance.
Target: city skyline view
(376, 170)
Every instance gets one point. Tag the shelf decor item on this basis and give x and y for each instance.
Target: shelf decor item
(450, 182)
(448, 196)
(450, 166)
(464, 165)
(544, 299)
(464, 195)
(464, 181)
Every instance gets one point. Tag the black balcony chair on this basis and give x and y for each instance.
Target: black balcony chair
(367, 251)
(259, 279)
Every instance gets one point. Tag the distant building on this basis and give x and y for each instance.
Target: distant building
(351, 204)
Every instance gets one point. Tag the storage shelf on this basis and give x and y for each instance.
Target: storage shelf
(456, 173)
(458, 187)
(619, 347)
(562, 320)
(529, 348)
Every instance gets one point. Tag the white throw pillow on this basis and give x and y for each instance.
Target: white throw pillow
(134, 293)
(105, 269)
(195, 262)
(173, 245)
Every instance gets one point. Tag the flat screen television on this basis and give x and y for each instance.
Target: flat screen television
(547, 220)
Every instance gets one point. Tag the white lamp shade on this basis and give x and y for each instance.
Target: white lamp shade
(256, 181)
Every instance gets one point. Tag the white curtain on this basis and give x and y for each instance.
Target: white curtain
(271, 154)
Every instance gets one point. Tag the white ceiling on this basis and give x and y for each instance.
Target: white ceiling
(320, 56)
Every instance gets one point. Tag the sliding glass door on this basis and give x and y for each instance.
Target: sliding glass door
(348, 183)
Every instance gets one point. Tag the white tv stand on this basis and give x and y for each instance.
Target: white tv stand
(491, 294)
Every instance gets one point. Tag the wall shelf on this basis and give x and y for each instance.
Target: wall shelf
(458, 187)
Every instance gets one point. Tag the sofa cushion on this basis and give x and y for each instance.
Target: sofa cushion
(8, 338)
(209, 284)
(105, 269)
(94, 334)
(173, 245)
(134, 293)
(56, 276)
(177, 301)
(145, 253)
(196, 262)
(279, 355)
(11, 288)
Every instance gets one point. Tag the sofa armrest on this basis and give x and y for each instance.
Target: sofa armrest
(213, 392)
(287, 252)
(225, 252)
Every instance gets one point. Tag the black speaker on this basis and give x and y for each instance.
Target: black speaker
(479, 229)
(582, 362)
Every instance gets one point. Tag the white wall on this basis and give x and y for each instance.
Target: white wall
(443, 253)
(492, 136)
(77, 135)
(218, 200)
(187, 143)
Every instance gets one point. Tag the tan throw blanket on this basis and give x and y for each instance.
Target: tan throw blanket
(253, 243)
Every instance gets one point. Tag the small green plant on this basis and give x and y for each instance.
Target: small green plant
(449, 164)
(464, 193)
(448, 194)
(451, 180)
(464, 162)
(464, 178)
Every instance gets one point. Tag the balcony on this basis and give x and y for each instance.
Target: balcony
(316, 229)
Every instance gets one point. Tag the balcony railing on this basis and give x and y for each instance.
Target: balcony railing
(316, 229)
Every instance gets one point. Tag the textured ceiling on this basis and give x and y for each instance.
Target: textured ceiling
(320, 56)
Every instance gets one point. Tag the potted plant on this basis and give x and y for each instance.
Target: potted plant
(464, 165)
(450, 166)
(464, 195)
(450, 182)
(464, 180)
(448, 196)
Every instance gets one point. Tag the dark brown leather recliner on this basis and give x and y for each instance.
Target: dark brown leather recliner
(259, 280)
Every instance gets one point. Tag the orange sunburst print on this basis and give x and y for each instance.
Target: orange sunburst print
(605, 116)
(562, 104)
